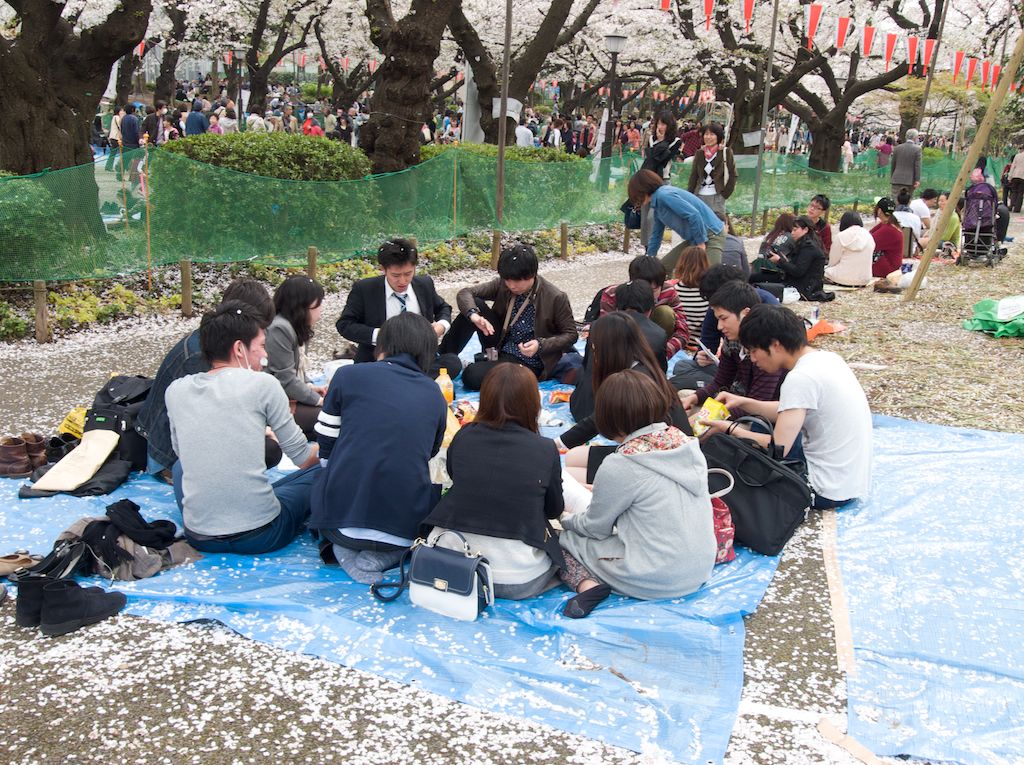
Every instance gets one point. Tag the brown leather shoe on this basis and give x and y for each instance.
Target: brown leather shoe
(14, 461)
(36, 448)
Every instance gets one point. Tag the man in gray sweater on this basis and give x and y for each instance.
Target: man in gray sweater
(218, 423)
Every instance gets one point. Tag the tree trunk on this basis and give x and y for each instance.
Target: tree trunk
(235, 87)
(401, 102)
(258, 79)
(123, 82)
(827, 138)
(165, 81)
(215, 80)
(52, 80)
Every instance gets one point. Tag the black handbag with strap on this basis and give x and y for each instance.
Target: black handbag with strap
(770, 496)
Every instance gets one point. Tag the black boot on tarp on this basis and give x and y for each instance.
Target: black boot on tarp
(29, 605)
(66, 606)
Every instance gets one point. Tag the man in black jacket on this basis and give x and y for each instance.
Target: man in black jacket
(398, 290)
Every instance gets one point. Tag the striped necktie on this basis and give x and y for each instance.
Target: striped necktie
(401, 299)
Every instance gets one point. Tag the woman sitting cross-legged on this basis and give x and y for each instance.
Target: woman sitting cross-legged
(507, 485)
(381, 423)
(615, 343)
(648, 532)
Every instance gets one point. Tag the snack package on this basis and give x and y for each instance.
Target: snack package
(710, 410)
(559, 397)
(450, 430)
(465, 411)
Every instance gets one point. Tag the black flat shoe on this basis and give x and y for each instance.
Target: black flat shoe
(59, 564)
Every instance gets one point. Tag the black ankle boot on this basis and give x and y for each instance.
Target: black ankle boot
(66, 606)
(29, 605)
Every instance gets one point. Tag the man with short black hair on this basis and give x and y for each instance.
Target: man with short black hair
(399, 289)
(196, 122)
(817, 211)
(636, 298)
(218, 424)
(735, 372)
(820, 400)
(923, 207)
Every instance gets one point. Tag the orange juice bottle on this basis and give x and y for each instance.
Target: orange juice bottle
(444, 382)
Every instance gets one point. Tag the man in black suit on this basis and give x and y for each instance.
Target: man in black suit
(398, 290)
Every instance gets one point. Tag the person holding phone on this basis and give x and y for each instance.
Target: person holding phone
(529, 321)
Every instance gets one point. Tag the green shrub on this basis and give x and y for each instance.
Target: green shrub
(218, 215)
(32, 225)
(490, 150)
(276, 155)
(310, 94)
(12, 326)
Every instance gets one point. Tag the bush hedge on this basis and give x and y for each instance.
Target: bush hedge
(291, 157)
(31, 224)
(490, 150)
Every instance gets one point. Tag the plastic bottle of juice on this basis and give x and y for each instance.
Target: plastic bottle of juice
(444, 382)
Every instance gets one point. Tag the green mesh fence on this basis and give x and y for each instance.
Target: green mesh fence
(129, 212)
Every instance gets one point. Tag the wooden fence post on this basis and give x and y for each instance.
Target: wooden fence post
(564, 236)
(855, 203)
(311, 256)
(42, 313)
(186, 287)
(625, 239)
(764, 220)
(495, 247)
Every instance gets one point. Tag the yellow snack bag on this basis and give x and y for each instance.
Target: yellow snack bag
(711, 410)
(450, 430)
(74, 422)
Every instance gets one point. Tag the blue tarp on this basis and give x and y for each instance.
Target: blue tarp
(633, 674)
(933, 567)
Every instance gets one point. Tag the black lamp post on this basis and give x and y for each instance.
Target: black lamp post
(614, 44)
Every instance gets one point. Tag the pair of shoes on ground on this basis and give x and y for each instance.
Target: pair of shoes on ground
(20, 455)
(60, 606)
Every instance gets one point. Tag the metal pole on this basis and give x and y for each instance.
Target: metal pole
(931, 69)
(609, 138)
(499, 205)
(764, 112)
(969, 161)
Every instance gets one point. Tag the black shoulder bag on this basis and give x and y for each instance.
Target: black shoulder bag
(770, 496)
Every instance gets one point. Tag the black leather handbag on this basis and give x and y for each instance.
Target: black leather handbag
(770, 496)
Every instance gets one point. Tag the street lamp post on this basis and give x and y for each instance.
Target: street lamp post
(614, 44)
(764, 113)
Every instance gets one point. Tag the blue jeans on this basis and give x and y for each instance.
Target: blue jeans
(292, 493)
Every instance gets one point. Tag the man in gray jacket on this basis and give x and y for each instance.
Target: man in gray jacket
(905, 165)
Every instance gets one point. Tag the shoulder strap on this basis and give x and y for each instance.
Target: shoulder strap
(403, 582)
(725, 163)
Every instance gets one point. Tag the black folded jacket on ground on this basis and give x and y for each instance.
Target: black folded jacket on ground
(111, 474)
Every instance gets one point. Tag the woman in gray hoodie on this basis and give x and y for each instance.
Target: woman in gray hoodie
(649, 531)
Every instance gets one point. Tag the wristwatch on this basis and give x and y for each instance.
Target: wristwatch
(472, 311)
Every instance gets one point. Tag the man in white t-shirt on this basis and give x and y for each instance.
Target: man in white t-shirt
(923, 206)
(820, 399)
(524, 136)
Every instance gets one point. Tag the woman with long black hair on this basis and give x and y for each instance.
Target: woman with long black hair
(298, 303)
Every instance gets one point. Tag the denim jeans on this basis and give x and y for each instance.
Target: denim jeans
(292, 493)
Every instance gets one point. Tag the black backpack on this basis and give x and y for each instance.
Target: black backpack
(116, 407)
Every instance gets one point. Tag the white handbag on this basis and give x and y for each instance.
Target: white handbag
(455, 583)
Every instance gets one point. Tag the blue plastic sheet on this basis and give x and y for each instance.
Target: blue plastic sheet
(932, 566)
(664, 674)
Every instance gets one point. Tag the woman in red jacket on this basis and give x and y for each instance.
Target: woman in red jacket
(888, 238)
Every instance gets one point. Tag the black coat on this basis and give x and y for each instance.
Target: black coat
(507, 483)
(366, 310)
(805, 267)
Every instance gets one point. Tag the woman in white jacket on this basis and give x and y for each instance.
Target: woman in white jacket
(849, 260)
(648, 532)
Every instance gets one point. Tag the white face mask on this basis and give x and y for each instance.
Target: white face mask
(264, 361)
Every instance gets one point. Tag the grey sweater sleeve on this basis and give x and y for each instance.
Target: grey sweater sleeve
(282, 350)
(613, 495)
(279, 418)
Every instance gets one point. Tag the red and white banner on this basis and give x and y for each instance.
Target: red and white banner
(323, 64)
(709, 9)
(929, 53)
(890, 47)
(228, 58)
(665, 4)
(842, 30)
(554, 83)
(302, 61)
(972, 67)
(373, 66)
(996, 68)
(958, 63)
(911, 51)
(813, 17)
(748, 13)
(140, 49)
(869, 37)
(985, 68)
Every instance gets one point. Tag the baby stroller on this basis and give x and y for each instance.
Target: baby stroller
(980, 244)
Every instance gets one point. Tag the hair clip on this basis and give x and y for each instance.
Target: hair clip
(238, 311)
